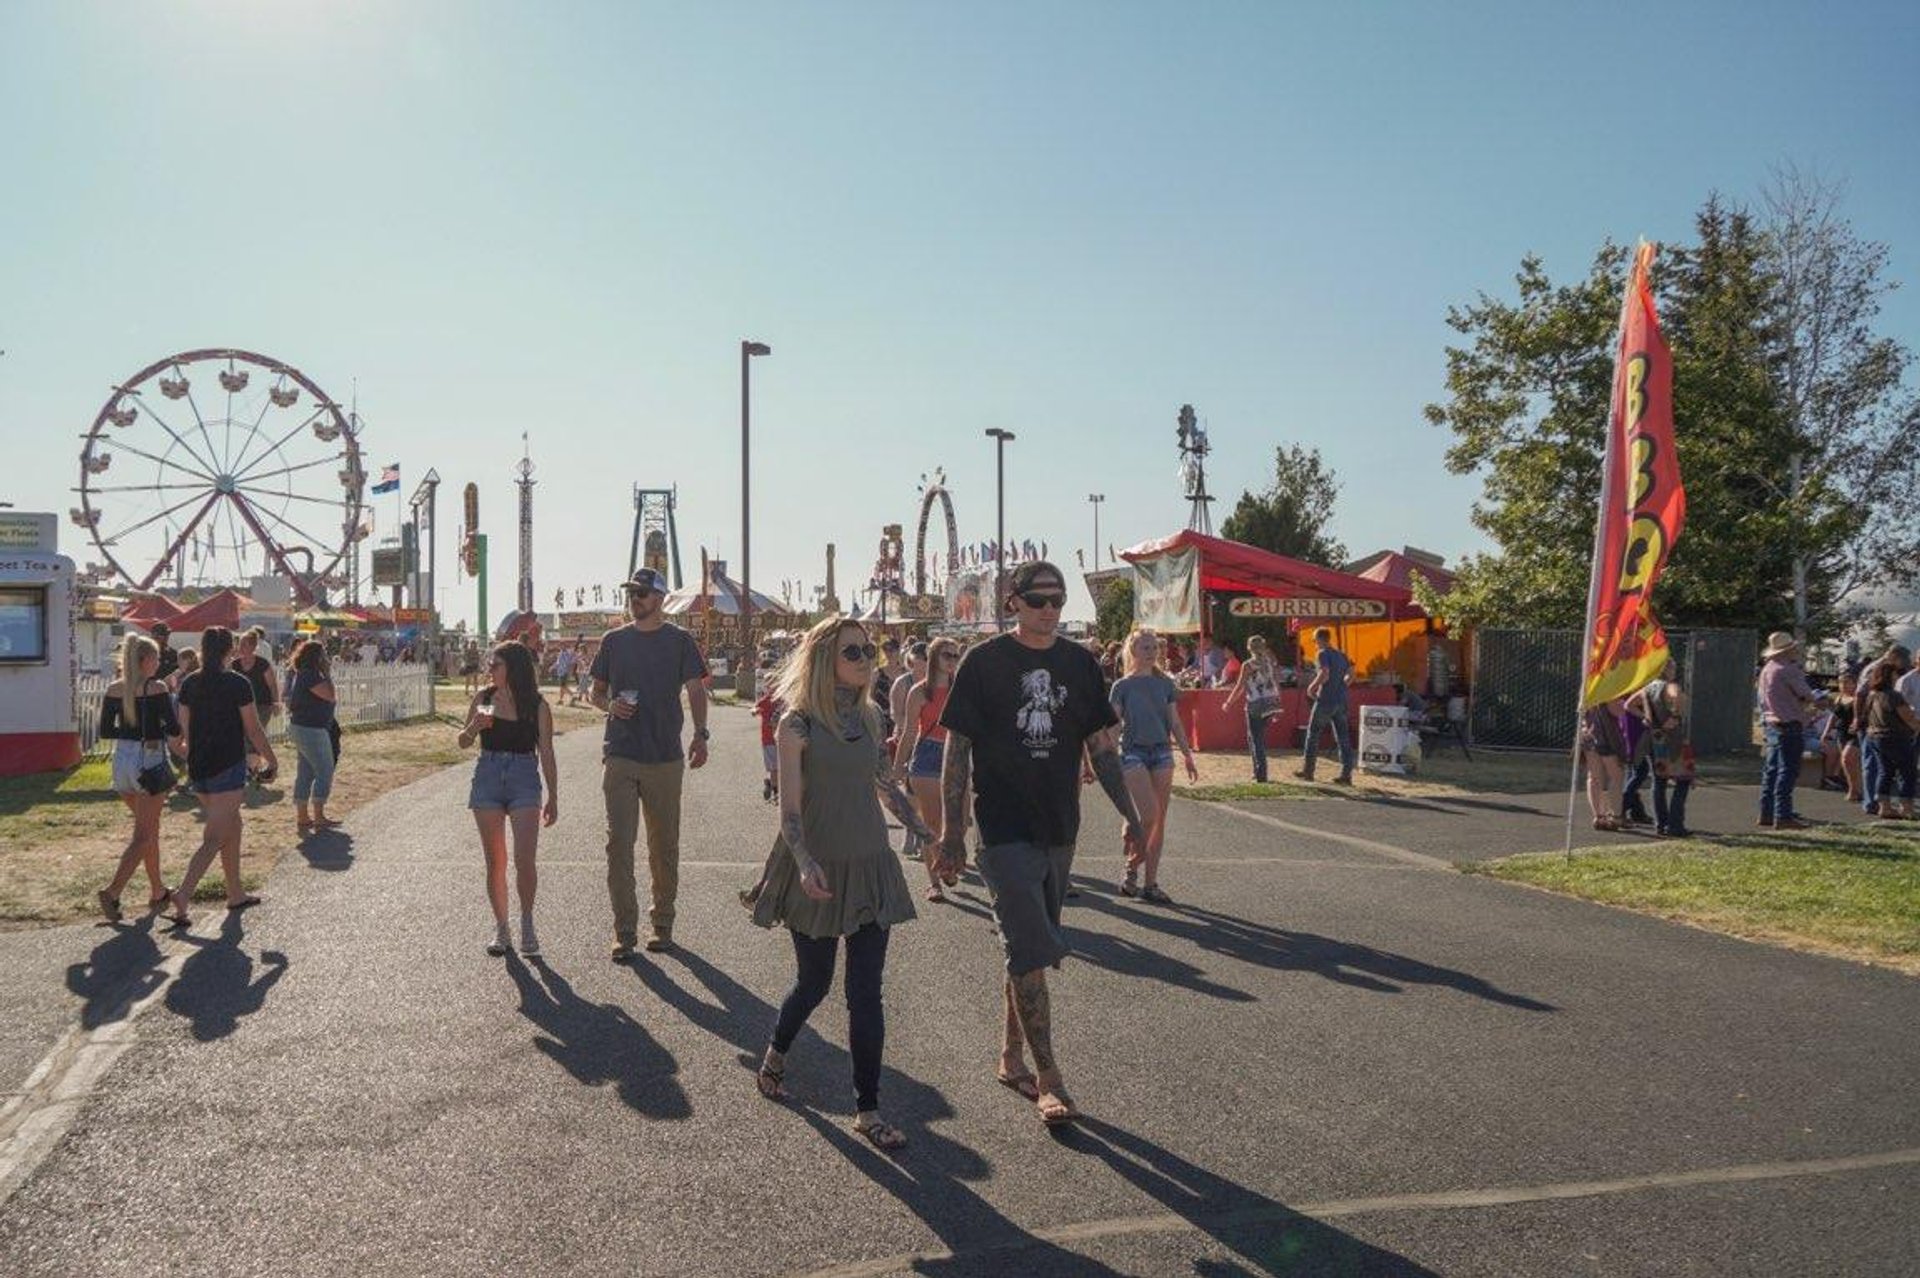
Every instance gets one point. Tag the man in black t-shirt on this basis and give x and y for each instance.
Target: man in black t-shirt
(1024, 708)
(169, 659)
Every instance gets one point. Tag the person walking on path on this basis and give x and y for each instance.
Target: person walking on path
(514, 726)
(833, 878)
(311, 728)
(1025, 708)
(638, 676)
(258, 668)
(1259, 685)
(218, 719)
(1328, 692)
(1662, 705)
(563, 663)
(1604, 751)
(169, 659)
(1147, 702)
(1900, 659)
(1890, 723)
(136, 714)
(921, 748)
(1842, 732)
(768, 710)
(1785, 697)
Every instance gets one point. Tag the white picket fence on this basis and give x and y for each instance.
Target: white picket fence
(363, 694)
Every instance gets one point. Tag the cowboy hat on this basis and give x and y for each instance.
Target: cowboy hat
(1779, 643)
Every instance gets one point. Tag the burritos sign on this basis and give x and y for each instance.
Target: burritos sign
(1318, 609)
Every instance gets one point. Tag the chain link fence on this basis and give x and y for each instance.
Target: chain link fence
(363, 694)
(1526, 685)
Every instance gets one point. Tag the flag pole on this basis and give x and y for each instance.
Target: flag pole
(1608, 495)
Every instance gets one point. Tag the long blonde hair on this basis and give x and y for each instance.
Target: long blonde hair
(1130, 664)
(133, 651)
(806, 682)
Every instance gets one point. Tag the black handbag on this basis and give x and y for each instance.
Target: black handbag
(159, 778)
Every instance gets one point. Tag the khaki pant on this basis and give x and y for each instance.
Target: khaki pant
(630, 789)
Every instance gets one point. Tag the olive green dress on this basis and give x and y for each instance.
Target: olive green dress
(847, 834)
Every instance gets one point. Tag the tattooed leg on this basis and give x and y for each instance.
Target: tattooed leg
(1013, 1057)
(1034, 1011)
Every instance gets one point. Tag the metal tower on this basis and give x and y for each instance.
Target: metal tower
(1193, 470)
(525, 470)
(656, 540)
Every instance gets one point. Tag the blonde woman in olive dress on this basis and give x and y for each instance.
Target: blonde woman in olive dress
(833, 877)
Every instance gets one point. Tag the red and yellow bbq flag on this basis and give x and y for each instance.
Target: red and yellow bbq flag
(1642, 505)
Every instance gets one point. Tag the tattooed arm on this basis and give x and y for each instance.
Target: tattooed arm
(956, 779)
(794, 731)
(1105, 757)
(887, 782)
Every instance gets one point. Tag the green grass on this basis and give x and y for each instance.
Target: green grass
(1850, 890)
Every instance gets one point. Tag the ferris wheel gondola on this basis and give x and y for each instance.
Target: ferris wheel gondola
(249, 485)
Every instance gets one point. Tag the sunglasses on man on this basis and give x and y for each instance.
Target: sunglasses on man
(1043, 598)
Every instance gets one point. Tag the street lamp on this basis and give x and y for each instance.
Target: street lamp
(743, 679)
(1000, 438)
(1096, 499)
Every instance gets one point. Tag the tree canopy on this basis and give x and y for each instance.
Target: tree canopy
(1290, 517)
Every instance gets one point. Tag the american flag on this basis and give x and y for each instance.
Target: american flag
(389, 480)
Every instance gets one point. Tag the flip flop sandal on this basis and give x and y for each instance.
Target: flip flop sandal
(1059, 1114)
(244, 903)
(771, 1081)
(1025, 1084)
(157, 903)
(883, 1136)
(109, 906)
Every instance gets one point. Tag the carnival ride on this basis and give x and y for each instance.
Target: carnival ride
(236, 493)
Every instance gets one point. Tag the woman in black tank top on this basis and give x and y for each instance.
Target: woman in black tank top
(514, 727)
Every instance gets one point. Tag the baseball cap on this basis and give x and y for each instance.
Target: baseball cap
(1033, 574)
(161, 628)
(646, 579)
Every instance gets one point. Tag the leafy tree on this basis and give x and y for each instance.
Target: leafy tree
(1529, 398)
(1114, 616)
(1291, 516)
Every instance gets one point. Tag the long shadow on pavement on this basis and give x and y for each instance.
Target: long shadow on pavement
(216, 988)
(1360, 966)
(122, 970)
(598, 1043)
(1261, 1231)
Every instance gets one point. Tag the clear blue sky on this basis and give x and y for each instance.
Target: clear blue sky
(1065, 219)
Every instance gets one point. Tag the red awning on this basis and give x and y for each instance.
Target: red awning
(1231, 566)
(1396, 569)
(220, 609)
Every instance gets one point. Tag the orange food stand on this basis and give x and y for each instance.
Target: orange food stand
(1184, 582)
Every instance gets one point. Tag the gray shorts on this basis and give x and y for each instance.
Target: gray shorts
(1029, 887)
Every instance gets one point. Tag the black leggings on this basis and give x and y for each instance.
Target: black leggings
(866, 1022)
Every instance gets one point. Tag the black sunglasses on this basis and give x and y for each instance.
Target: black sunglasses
(859, 652)
(641, 592)
(1043, 599)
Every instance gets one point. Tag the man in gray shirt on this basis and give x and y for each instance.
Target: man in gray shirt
(1328, 691)
(637, 677)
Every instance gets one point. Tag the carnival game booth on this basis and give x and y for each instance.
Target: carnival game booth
(39, 724)
(711, 614)
(1186, 584)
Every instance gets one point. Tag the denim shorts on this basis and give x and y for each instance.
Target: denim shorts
(1154, 758)
(226, 781)
(504, 782)
(1029, 886)
(927, 758)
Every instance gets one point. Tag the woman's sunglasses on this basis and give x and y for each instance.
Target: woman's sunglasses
(1043, 599)
(859, 652)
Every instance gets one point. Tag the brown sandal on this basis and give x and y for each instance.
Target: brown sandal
(771, 1081)
(882, 1135)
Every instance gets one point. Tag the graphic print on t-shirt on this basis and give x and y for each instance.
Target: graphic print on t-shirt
(1039, 700)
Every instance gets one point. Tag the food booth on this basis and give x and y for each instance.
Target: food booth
(39, 725)
(1185, 585)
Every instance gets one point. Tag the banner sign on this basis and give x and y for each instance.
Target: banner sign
(591, 620)
(919, 607)
(1317, 609)
(1166, 592)
(1642, 505)
(412, 616)
(389, 566)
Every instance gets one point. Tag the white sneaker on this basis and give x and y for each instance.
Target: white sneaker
(529, 942)
(501, 943)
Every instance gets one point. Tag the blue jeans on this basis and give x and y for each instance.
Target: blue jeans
(866, 1019)
(1670, 811)
(1335, 717)
(1786, 742)
(1871, 771)
(1896, 771)
(1637, 777)
(314, 777)
(1257, 743)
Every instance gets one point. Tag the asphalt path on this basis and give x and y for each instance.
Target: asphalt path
(1327, 1058)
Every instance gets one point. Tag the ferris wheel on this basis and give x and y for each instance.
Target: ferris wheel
(209, 467)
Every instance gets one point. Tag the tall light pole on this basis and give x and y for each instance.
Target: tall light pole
(999, 438)
(1096, 499)
(743, 680)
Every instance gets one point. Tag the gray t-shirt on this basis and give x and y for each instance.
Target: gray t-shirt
(1145, 704)
(656, 664)
(1334, 665)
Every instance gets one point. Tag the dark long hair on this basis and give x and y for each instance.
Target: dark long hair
(215, 643)
(311, 655)
(522, 682)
